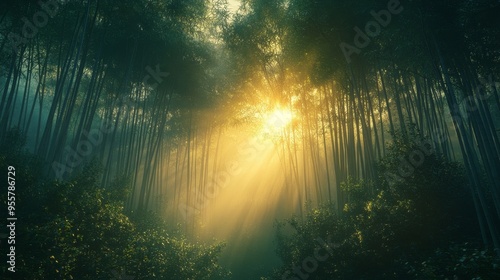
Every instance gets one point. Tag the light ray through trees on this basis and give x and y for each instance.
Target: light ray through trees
(226, 115)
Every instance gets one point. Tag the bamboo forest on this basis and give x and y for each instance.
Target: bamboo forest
(250, 139)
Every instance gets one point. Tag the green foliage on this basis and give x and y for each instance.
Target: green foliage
(390, 230)
(458, 261)
(78, 230)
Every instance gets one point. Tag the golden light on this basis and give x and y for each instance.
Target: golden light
(277, 120)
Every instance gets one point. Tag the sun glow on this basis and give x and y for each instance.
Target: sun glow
(277, 120)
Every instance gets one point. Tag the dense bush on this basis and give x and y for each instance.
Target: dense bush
(457, 261)
(78, 230)
(420, 226)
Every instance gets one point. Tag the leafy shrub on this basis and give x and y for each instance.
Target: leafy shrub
(390, 229)
(78, 230)
(458, 261)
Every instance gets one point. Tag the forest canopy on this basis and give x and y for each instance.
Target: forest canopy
(143, 133)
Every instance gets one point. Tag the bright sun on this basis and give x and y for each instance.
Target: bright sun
(277, 120)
